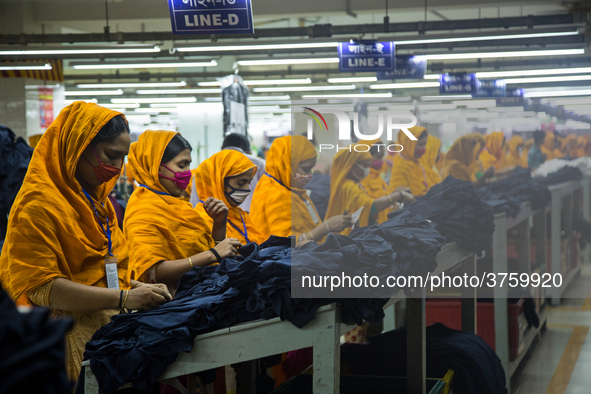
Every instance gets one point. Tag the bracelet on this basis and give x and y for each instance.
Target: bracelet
(191, 263)
(216, 254)
(327, 228)
(120, 299)
(122, 307)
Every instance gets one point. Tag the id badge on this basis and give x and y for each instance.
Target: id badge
(111, 271)
(315, 217)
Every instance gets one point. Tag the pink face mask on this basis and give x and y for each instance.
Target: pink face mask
(301, 180)
(181, 179)
(420, 152)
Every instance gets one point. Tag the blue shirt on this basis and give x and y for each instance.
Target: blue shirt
(535, 157)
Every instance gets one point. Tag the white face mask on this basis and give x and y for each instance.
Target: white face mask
(239, 197)
(365, 170)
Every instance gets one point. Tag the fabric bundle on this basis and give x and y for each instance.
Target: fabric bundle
(551, 166)
(459, 212)
(564, 174)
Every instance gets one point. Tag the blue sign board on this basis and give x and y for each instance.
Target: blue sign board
(493, 88)
(366, 56)
(211, 16)
(406, 67)
(457, 83)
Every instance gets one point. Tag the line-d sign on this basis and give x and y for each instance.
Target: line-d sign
(211, 16)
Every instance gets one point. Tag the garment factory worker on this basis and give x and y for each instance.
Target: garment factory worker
(492, 154)
(459, 160)
(167, 237)
(349, 168)
(281, 205)
(479, 145)
(550, 147)
(569, 146)
(535, 155)
(407, 169)
(515, 154)
(429, 160)
(581, 145)
(226, 176)
(62, 230)
(373, 184)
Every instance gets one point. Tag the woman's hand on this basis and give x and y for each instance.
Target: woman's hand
(217, 210)
(338, 223)
(147, 296)
(228, 247)
(402, 197)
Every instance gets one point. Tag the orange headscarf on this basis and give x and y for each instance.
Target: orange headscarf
(548, 147)
(406, 169)
(588, 146)
(459, 159)
(159, 227)
(53, 231)
(277, 208)
(479, 144)
(210, 182)
(429, 159)
(345, 193)
(569, 146)
(373, 184)
(581, 145)
(514, 158)
(492, 155)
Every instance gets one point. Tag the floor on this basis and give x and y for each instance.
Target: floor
(560, 363)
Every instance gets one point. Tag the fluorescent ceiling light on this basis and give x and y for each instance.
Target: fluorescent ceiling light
(567, 101)
(559, 93)
(129, 105)
(25, 66)
(68, 102)
(265, 108)
(279, 62)
(65, 50)
(549, 79)
(131, 85)
(257, 47)
(482, 114)
(117, 92)
(431, 76)
(263, 98)
(274, 102)
(360, 95)
(477, 103)
(304, 88)
(179, 91)
(215, 99)
(104, 65)
(437, 106)
(401, 107)
(407, 85)
(506, 109)
(138, 118)
(486, 38)
(352, 79)
(155, 110)
(525, 73)
(165, 105)
(263, 82)
(485, 55)
(448, 97)
(154, 100)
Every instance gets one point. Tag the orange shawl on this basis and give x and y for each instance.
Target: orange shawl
(459, 159)
(569, 146)
(53, 231)
(548, 147)
(492, 155)
(429, 159)
(513, 158)
(159, 227)
(277, 208)
(373, 184)
(210, 177)
(406, 169)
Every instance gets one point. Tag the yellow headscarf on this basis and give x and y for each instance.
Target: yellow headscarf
(346, 194)
(548, 147)
(459, 159)
(492, 155)
(514, 158)
(581, 145)
(210, 182)
(429, 159)
(373, 184)
(569, 146)
(159, 227)
(277, 208)
(53, 231)
(406, 169)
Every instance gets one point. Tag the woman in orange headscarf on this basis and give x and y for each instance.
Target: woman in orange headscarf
(479, 145)
(492, 155)
(569, 146)
(407, 170)
(459, 161)
(550, 147)
(429, 160)
(280, 203)
(514, 156)
(226, 176)
(63, 229)
(581, 145)
(349, 167)
(167, 237)
(373, 184)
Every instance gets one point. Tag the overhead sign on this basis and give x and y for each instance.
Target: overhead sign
(406, 67)
(366, 56)
(492, 88)
(211, 16)
(514, 93)
(460, 83)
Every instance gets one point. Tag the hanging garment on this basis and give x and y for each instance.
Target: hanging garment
(235, 100)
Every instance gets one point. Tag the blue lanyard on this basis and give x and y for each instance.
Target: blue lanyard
(155, 191)
(277, 180)
(107, 232)
(245, 233)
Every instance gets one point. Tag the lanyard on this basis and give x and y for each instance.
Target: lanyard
(155, 191)
(277, 180)
(245, 233)
(107, 232)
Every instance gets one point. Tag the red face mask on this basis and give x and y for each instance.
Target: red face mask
(420, 152)
(104, 172)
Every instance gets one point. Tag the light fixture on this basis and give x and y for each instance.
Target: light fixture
(448, 97)
(117, 92)
(257, 47)
(549, 79)
(155, 110)
(437, 106)
(352, 79)
(263, 98)
(506, 109)
(66, 50)
(405, 85)
(559, 93)
(68, 102)
(25, 66)
(304, 88)
(165, 105)
(359, 95)
(154, 100)
(568, 101)
(279, 62)
(526, 73)
(399, 42)
(213, 99)
(129, 105)
(179, 91)
(476, 103)
(154, 64)
(431, 76)
(486, 55)
(131, 85)
(138, 118)
(263, 82)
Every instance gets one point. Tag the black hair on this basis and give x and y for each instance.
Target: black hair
(111, 130)
(375, 149)
(176, 145)
(238, 141)
(539, 136)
